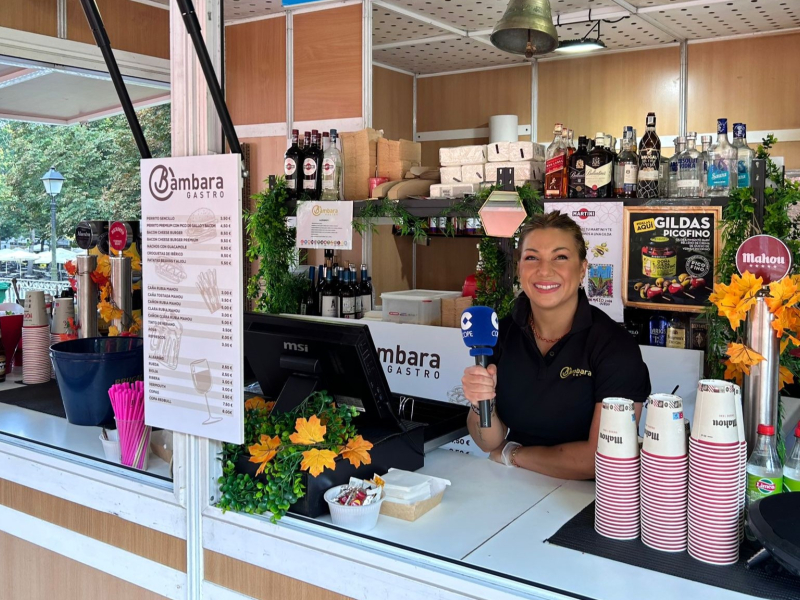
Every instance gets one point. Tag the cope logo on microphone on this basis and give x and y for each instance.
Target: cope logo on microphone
(466, 321)
(495, 321)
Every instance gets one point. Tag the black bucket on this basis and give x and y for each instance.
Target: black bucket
(87, 368)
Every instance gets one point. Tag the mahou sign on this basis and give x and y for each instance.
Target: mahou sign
(764, 256)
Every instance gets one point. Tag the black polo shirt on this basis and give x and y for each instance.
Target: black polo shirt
(550, 400)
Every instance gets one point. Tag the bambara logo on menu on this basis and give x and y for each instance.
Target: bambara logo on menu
(163, 184)
(409, 362)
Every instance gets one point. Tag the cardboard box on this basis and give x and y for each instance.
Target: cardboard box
(498, 152)
(450, 175)
(453, 190)
(360, 160)
(452, 309)
(462, 155)
(473, 173)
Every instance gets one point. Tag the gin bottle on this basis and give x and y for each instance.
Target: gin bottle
(704, 158)
(722, 164)
(331, 169)
(649, 161)
(744, 155)
(690, 169)
(680, 144)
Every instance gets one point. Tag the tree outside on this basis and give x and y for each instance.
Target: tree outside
(99, 161)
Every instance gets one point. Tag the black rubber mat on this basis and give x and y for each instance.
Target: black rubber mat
(768, 580)
(41, 397)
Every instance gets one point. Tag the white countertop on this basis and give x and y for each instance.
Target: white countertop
(57, 432)
(498, 518)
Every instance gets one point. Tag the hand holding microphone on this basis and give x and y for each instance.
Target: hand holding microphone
(480, 330)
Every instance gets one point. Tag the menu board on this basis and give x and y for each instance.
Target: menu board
(601, 225)
(670, 256)
(193, 295)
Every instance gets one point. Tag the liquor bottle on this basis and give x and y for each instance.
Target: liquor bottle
(347, 297)
(3, 363)
(599, 170)
(676, 333)
(326, 142)
(291, 160)
(704, 159)
(649, 160)
(336, 277)
(626, 173)
(330, 299)
(680, 146)
(791, 470)
(663, 174)
(658, 330)
(354, 285)
(722, 163)
(331, 169)
(556, 169)
(744, 155)
(570, 143)
(365, 291)
(309, 168)
(690, 169)
(308, 305)
(764, 472)
(318, 286)
(577, 170)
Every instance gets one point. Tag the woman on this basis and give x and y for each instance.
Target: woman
(557, 358)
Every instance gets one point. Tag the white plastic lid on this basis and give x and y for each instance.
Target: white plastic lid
(419, 295)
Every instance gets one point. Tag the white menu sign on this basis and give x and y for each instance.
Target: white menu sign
(601, 224)
(325, 224)
(192, 289)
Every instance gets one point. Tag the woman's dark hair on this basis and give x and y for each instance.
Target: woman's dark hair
(555, 220)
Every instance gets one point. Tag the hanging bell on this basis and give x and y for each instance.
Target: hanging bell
(526, 28)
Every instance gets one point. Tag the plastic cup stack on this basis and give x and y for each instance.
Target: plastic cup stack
(127, 400)
(63, 311)
(737, 396)
(665, 469)
(715, 475)
(36, 367)
(617, 471)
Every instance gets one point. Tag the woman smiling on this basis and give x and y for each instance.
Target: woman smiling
(558, 357)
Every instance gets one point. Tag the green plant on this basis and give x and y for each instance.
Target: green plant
(311, 438)
(274, 287)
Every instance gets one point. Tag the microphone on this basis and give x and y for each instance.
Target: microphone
(479, 330)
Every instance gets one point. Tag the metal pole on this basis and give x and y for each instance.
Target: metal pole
(683, 89)
(53, 263)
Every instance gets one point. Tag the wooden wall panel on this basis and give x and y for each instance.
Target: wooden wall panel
(467, 100)
(605, 93)
(259, 583)
(266, 158)
(327, 64)
(30, 572)
(391, 262)
(151, 544)
(131, 26)
(446, 262)
(790, 151)
(393, 103)
(255, 61)
(35, 17)
(751, 81)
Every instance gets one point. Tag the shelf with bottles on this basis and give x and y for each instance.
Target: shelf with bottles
(595, 169)
(313, 169)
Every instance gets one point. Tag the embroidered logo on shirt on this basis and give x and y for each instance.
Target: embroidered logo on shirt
(570, 372)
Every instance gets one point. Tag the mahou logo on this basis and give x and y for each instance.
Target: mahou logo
(764, 256)
(765, 486)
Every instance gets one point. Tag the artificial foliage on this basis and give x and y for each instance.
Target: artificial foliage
(314, 436)
(727, 356)
(491, 289)
(274, 286)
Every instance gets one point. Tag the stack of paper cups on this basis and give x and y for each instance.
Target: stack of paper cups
(60, 329)
(737, 396)
(715, 475)
(35, 340)
(617, 471)
(665, 468)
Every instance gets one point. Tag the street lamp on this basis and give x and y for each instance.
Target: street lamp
(53, 180)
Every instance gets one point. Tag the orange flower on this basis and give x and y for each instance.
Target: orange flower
(103, 265)
(743, 357)
(100, 279)
(357, 451)
(782, 294)
(315, 461)
(785, 376)
(747, 285)
(308, 432)
(71, 268)
(264, 452)
(732, 372)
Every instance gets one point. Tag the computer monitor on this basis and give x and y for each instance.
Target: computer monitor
(294, 357)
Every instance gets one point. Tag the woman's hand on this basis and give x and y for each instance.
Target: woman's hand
(497, 454)
(479, 383)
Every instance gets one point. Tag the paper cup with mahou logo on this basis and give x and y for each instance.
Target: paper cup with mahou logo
(618, 436)
(664, 431)
(35, 312)
(715, 420)
(64, 311)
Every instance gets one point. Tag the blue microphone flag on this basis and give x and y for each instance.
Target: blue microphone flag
(479, 329)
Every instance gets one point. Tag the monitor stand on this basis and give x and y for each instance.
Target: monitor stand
(304, 381)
